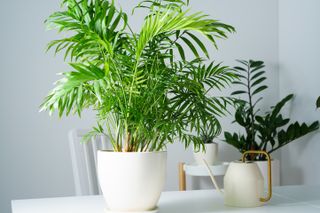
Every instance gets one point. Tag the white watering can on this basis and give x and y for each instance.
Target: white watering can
(244, 183)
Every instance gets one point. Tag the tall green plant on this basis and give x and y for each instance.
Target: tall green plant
(269, 131)
(144, 89)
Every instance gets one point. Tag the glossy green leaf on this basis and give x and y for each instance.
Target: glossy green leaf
(238, 92)
(259, 89)
(256, 75)
(258, 81)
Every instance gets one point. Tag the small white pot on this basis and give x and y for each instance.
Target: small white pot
(275, 171)
(210, 154)
(131, 181)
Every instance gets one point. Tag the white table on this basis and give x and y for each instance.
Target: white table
(285, 199)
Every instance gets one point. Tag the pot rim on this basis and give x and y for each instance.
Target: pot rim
(148, 152)
(245, 162)
(216, 143)
(257, 161)
(272, 159)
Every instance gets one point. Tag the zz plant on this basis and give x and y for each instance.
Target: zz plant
(144, 88)
(269, 131)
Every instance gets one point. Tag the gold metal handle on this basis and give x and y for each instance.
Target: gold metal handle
(269, 171)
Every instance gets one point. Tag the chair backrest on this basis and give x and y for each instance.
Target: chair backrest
(84, 161)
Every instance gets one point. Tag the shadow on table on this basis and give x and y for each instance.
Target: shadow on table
(289, 198)
(309, 194)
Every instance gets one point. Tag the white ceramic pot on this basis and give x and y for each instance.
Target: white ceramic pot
(131, 181)
(275, 171)
(210, 154)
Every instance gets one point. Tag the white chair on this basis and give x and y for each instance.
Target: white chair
(84, 161)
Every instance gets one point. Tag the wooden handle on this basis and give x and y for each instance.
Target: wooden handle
(182, 177)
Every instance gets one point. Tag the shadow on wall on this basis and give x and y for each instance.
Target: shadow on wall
(289, 155)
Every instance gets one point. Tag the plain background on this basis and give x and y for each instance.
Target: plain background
(34, 153)
(299, 54)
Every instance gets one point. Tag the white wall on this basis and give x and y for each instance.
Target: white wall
(299, 55)
(34, 154)
(256, 22)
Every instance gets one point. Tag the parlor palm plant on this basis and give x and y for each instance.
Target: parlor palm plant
(209, 152)
(144, 88)
(210, 131)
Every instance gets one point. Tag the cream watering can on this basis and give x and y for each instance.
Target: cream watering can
(244, 183)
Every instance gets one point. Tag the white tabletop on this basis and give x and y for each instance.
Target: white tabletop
(285, 199)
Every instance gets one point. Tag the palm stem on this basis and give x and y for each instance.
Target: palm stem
(252, 130)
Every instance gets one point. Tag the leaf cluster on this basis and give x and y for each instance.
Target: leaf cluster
(269, 131)
(144, 90)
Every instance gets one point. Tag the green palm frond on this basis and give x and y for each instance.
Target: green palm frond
(172, 21)
(157, 5)
(71, 91)
(144, 96)
(98, 28)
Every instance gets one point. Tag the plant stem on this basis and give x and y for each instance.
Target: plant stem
(251, 107)
(127, 140)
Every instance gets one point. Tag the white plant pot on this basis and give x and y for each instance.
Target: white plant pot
(131, 181)
(275, 171)
(210, 154)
